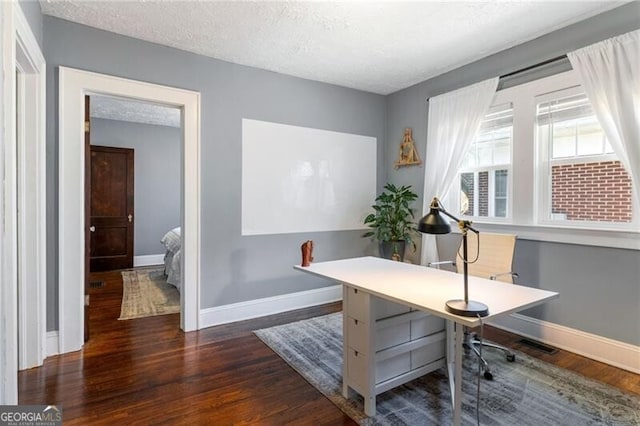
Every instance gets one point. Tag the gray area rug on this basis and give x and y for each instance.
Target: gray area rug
(525, 392)
(145, 293)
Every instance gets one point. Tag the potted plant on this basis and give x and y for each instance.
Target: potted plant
(393, 223)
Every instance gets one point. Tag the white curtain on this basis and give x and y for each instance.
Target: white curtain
(610, 75)
(454, 119)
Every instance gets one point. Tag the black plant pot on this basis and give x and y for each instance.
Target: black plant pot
(393, 250)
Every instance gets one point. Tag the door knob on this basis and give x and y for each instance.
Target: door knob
(92, 228)
(130, 218)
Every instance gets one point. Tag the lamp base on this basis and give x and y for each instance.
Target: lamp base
(464, 309)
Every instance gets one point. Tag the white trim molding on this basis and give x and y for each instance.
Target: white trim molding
(32, 200)
(8, 235)
(269, 305)
(148, 260)
(609, 351)
(73, 86)
(52, 343)
(22, 200)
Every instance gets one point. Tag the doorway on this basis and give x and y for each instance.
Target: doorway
(133, 195)
(73, 85)
(153, 132)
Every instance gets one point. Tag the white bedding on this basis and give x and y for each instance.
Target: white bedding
(172, 241)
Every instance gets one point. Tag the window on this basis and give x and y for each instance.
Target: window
(484, 178)
(586, 182)
(541, 167)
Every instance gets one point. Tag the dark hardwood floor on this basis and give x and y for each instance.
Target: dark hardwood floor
(146, 371)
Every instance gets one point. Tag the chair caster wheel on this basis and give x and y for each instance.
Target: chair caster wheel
(488, 375)
(511, 357)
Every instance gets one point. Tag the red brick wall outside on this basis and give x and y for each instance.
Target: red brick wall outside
(483, 194)
(598, 191)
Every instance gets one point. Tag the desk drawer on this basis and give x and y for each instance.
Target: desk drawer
(357, 304)
(357, 368)
(357, 332)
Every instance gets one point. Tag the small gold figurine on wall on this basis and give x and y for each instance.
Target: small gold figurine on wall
(408, 153)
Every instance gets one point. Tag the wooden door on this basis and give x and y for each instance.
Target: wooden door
(111, 208)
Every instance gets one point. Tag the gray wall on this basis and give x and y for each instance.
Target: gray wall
(31, 10)
(156, 180)
(599, 290)
(234, 268)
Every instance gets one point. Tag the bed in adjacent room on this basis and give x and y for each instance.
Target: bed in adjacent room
(172, 241)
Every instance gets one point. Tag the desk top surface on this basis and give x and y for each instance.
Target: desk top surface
(428, 289)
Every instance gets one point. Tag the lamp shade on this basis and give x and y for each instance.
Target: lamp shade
(434, 223)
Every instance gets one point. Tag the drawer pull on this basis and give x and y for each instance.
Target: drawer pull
(355, 353)
(355, 291)
(356, 321)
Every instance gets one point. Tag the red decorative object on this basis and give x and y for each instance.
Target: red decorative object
(307, 253)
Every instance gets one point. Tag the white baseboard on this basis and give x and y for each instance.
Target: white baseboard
(609, 351)
(268, 306)
(148, 260)
(53, 346)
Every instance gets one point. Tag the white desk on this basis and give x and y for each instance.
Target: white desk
(393, 321)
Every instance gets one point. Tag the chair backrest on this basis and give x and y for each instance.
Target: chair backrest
(495, 257)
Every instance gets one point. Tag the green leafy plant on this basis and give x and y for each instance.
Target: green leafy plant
(393, 219)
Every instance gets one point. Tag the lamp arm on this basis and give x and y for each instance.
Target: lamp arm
(462, 224)
(442, 210)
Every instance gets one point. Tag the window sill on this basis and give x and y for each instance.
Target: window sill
(586, 237)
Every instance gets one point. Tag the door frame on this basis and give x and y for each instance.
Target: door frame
(73, 85)
(22, 330)
(32, 221)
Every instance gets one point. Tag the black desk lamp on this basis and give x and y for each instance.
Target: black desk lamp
(434, 223)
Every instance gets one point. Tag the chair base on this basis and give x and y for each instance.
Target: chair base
(473, 342)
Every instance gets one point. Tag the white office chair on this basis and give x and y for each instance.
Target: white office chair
(495, 260)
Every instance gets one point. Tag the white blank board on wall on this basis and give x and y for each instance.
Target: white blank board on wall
(299, 179)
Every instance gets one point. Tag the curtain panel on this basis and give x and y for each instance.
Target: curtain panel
(453, 121)
(610, 75)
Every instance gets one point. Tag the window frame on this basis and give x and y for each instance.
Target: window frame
(501, 98)
(490, 192)
(526, 216)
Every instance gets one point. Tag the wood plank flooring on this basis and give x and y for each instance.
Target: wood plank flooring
(146, 371)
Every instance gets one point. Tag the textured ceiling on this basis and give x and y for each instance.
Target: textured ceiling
(379, 47)
(133, 111)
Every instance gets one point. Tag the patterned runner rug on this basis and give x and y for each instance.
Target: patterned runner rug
(145, 293)
(525, 392)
